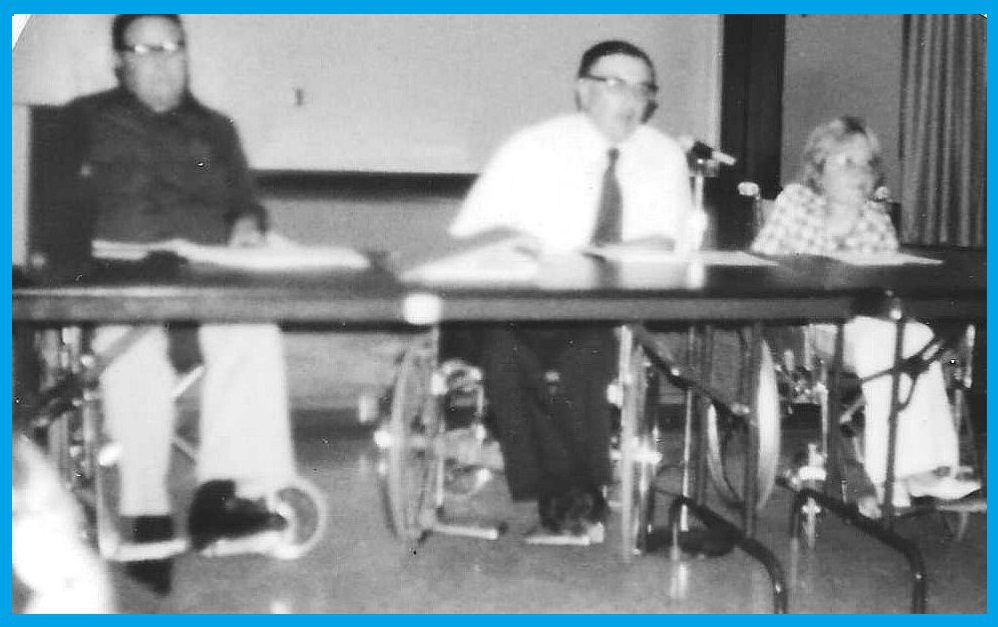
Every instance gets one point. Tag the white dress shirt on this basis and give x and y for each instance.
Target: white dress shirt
(545, 181)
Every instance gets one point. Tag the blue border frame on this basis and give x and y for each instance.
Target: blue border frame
(509, 6)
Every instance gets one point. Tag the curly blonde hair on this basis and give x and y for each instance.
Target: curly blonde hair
(828, 137)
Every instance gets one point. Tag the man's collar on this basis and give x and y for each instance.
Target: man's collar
(606, 143)
(187, 102)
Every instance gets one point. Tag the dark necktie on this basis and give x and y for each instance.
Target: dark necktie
(609, 218)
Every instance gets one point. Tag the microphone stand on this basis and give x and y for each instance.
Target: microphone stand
(701, 167)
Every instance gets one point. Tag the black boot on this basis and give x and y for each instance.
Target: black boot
(155, 573)
(218, 513)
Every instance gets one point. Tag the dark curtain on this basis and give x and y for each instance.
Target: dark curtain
(944, 130)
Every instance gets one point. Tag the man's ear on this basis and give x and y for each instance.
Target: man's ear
(117, 66)
(650, 109)
(581, 95)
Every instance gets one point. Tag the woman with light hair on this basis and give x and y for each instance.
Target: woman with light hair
(839, 207)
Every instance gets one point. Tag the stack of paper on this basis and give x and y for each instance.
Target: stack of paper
(132, 251)
(275, 257)
(882, 259)
(502, 262)
(650, 254)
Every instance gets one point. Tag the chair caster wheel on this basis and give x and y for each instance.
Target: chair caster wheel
(302, 505)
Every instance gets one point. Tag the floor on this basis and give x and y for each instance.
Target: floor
(359, 567)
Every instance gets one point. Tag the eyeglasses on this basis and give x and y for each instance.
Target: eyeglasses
(847, 162)
(168, 48)
(618, 85)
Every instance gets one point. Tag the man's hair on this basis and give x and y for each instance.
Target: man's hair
(828, 137)
(607, 48)
(123, 21)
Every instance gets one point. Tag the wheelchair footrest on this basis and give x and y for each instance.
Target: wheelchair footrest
(970, 505)
(264, 542)
(142, 551)
(594, 534)
(470, 531)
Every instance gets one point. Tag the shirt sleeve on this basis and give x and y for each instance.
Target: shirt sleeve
(243, 201)
(497, 194)
(680, 196)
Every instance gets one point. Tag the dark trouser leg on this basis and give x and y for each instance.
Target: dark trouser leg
(555, 450)
(532, 449)
(587, 363)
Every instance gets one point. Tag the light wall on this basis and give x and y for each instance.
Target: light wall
(19, 156)
(842, 64)
(387, 93)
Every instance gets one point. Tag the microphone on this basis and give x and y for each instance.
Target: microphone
(701, 150)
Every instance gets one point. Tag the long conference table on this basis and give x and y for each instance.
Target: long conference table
(568, 288)
(712, 287)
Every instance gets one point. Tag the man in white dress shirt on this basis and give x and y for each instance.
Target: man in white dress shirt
(597, 176)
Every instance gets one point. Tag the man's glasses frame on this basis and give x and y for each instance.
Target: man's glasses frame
(618, 85)
(145, 50)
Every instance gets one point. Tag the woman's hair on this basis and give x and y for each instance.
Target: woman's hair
(825, 139)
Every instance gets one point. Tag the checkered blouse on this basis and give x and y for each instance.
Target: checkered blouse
(797, 226)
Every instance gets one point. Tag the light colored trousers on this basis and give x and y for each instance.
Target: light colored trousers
(245, 434)
(927, 436)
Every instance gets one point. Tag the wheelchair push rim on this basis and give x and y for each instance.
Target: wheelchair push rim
(638, 458)
(725, 433)
(409, 463)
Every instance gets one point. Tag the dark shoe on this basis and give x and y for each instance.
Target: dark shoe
(156, 575)
(219, 516)
(574, 510)
(149, 553)
(599, 510)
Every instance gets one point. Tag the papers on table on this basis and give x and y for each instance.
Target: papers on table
(515, 260)
(729, 258)
(882, 259)
(132, 251)
(507, 261)
(277, 256)
(642, 254)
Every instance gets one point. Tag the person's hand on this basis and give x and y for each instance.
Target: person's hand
(530, 246)
(246, 233)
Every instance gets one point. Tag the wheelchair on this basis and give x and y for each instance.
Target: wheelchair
(843, 460)
(68, 424)
(414, 456)
(416, 473)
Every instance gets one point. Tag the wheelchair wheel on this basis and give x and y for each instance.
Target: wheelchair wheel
(638, 452)
(411, 466)
(302, 505)
(64, 444)
(728, 438)
(69, 427)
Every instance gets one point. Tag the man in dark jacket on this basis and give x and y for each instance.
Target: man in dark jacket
(156, 164)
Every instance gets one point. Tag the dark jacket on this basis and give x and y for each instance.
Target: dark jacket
(145, 176)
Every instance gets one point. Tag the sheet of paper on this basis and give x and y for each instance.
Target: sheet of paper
(659, 255)
(730, 258)
(883, 259)
(132, 251)
(282, 256)
(268, 258)
(502, 262)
